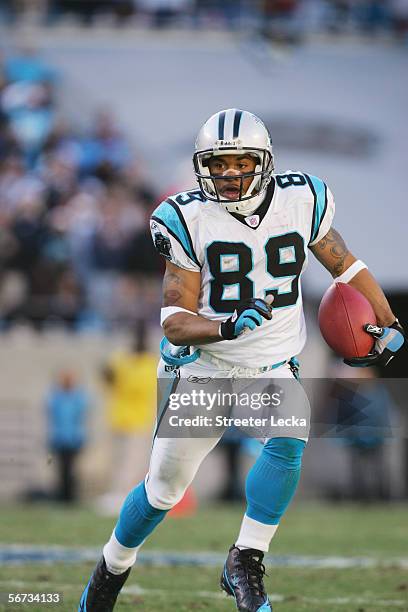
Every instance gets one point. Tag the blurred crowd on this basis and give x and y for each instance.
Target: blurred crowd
(283, 19)
(74, 206)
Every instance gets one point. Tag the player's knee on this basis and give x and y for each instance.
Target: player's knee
(285, 453)
(163, 493)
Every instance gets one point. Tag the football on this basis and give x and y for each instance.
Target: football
(343, 312)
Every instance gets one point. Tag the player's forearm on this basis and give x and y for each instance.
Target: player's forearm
(368, 286)
(333, 253)
(187, 329)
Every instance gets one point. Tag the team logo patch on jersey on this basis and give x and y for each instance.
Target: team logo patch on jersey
(252, 220)
(162, 244)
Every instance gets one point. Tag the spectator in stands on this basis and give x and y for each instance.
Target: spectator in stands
(67, 413)
(7, 12)
(73, 212)
(120, 220)
(66, 304)
(85, 10)
(361, 413)
(132, 175)
(164, 12)
(8, 143)
(59, 173)
(26, 65)
(29, 110)
(372, 16)
(106, 151)
(17, 184)
(280, 20)
(130, 376)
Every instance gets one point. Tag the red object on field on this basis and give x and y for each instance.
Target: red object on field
(343, 312)
(186, 506)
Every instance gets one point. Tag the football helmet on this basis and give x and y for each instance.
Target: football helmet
(234, 132)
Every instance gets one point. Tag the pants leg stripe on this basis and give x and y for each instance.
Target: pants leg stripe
(165, 404)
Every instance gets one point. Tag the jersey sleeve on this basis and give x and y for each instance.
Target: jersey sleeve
(323, 209)
(172, 238)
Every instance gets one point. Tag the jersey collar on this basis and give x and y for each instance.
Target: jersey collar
(262, 208)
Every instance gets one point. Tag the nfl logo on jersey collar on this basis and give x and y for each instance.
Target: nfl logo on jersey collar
(252, 220)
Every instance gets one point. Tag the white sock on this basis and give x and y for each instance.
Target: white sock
(254, 534)
(118, 557)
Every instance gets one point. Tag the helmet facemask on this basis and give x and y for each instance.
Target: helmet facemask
(247, 201)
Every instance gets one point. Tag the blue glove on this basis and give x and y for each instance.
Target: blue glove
(249, 314)
(388, 340)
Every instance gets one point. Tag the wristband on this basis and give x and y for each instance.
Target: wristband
(351, 272)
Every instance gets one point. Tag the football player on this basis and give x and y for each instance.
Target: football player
(236, 249)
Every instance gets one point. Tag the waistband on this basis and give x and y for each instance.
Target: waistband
(226, 365)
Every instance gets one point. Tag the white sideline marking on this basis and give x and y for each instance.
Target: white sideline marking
(18, 554)
(275, 597)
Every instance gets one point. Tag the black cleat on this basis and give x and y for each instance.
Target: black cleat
(102, 590)
(242, 577)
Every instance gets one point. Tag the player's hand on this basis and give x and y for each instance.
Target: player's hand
(388, 340)
(249, 314)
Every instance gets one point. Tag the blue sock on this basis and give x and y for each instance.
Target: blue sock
(137, 518)
(272, 480)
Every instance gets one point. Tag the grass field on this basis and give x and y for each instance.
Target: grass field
(379, 533)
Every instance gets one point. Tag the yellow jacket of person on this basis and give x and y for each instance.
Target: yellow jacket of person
(132, 397)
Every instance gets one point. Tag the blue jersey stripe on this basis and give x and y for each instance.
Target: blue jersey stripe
(184, 224)
(171, 217)
(319, 190)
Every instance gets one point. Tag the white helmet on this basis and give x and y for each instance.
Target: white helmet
(232, 132)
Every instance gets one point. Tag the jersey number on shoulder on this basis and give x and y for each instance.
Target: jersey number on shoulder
(231, 262)
(187, 197)
(290, 180)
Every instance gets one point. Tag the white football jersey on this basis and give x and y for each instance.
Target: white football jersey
(245, 257)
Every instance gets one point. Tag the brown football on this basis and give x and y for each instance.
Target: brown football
(343, 312)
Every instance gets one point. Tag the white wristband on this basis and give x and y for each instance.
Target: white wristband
(351, 272)
(167, 311)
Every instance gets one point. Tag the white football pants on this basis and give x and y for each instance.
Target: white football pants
(175, 461)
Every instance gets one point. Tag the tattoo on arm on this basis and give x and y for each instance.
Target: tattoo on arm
(172, 289)
(332, 252)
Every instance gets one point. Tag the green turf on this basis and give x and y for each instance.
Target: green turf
(179, 589)
(308, 529)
